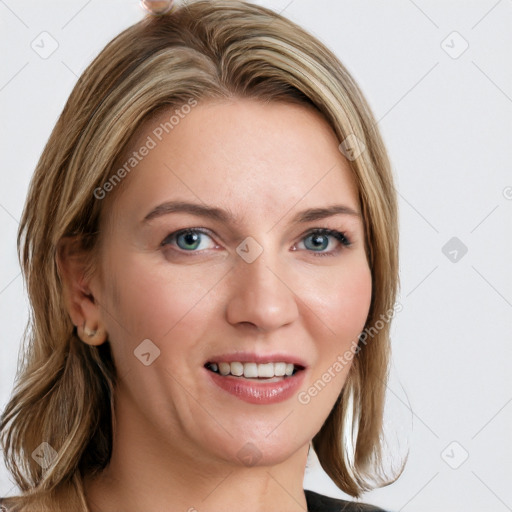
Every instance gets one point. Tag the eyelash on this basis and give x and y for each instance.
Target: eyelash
(338, 235)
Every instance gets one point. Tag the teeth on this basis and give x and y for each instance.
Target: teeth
(237, 369)
(250, 370)
(253, 370)
(279, 369)
(224, 368)
(266, 370)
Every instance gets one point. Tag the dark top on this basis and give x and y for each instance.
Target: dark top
(320, 503)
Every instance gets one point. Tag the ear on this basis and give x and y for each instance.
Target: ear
(82, 306)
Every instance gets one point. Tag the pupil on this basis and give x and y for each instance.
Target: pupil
(319, 241)
(191, 239)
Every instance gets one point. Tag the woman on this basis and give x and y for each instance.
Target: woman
(210, 245)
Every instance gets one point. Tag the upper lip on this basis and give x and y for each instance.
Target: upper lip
(252, 357)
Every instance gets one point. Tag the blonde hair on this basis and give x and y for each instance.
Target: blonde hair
(64, 390)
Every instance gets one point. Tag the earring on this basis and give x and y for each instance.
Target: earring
(88, 332)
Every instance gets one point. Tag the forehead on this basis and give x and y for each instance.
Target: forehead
(251, 156)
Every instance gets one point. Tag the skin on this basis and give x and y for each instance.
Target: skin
(177, 436)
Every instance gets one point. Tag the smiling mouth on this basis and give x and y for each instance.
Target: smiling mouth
(255, 371)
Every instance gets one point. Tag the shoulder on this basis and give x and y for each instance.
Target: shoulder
(320, 503)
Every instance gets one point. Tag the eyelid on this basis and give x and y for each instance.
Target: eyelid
(329, 232)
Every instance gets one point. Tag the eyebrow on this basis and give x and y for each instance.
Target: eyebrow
(227, 217)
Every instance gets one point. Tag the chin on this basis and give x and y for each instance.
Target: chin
(259, 448)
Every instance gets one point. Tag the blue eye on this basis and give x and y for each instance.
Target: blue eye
(189, 239)
(316, 241)
(319, 240)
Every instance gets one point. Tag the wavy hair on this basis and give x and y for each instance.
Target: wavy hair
(64, 389)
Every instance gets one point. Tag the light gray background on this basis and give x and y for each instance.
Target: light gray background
(446, 120)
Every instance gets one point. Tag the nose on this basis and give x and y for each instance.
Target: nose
(261, 296)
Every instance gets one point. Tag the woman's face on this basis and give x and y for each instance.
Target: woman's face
(250, 282)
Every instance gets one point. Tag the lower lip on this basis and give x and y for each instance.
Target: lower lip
(255, 392)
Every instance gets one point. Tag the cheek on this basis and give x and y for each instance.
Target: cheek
(342, 308)
(342, 300)
(150, 299)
